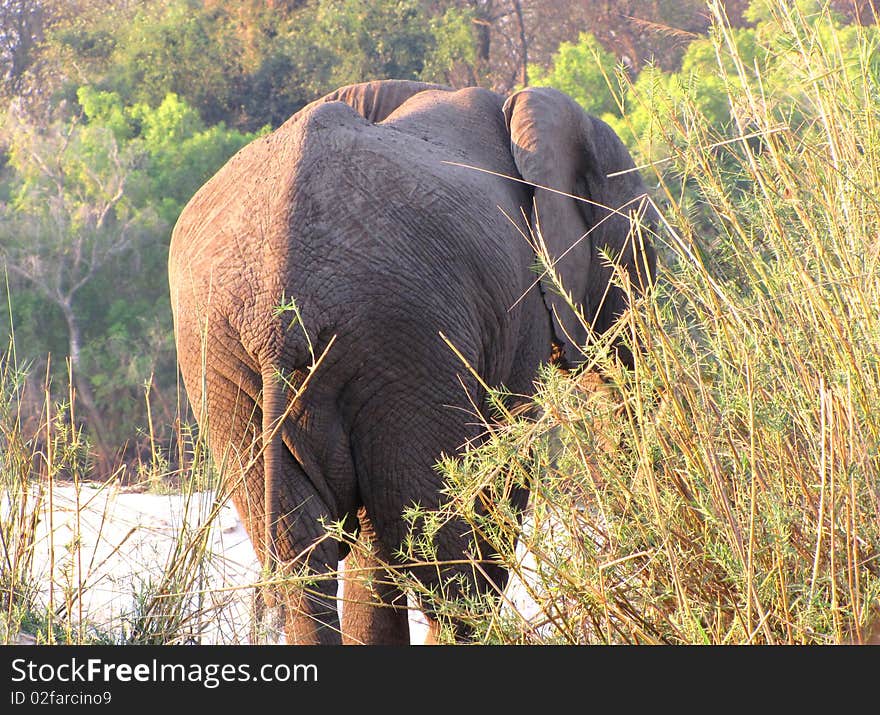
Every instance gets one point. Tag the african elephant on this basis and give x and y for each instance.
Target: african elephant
(364, 216)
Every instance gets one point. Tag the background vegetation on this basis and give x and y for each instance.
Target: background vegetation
(115, 113)
(726, 490)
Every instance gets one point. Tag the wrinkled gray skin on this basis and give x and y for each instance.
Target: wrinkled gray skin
(352, 209)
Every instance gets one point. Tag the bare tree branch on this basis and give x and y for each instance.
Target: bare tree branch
(62, 232)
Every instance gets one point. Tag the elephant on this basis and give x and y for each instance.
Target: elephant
(318, 281)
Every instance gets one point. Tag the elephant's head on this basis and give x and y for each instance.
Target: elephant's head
(566, 153)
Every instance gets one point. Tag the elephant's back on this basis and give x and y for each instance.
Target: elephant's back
(330, 190)
(229, 251)
(372, 229)
(392, 229)
(392, 197)
(467, 125)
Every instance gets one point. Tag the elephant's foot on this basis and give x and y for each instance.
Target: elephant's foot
(370, 623)
(306, 631)
(311, 616)
(374, 609)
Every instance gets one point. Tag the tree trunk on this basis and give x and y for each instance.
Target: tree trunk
(483, 19)
(83, 392)
(523, 44)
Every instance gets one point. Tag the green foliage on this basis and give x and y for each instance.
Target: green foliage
(371, 40)
(717, 74)
(165, 47)
(769, 10)
(176, 151)
(772, 58)
(85, 230)
(253, 65)
(583, 70)
(454, 45)
(339, 42)
(291, 72)
(722, 80)
(330, 43)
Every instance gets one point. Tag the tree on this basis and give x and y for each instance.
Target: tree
(329, 43)
(85, 229)
(21, 28)
(66, 220)
(582, 70)
(371, 40)
(454, 58)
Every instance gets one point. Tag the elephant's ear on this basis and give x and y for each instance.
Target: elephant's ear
(556, 145)
(374, 101)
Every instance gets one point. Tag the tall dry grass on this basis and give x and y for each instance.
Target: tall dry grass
(77, 567)
(727, 489)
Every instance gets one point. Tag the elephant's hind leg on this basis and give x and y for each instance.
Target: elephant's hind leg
(311, 616)
(305, 578)
(374, 609)
(303, 545)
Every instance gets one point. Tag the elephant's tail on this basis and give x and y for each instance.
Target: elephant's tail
(273, 412)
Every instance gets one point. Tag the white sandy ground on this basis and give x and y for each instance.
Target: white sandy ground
(125, 541)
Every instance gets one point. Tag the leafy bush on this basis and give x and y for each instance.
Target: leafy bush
(581, 70)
